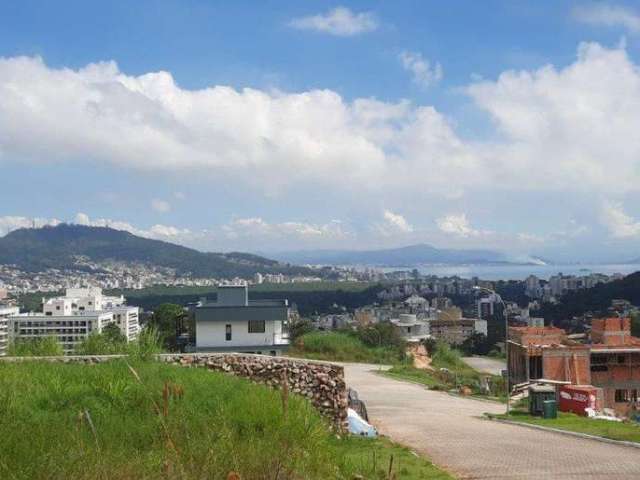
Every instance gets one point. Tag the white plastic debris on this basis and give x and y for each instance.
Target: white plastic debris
(358, 426)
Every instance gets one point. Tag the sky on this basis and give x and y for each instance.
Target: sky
(293, 125)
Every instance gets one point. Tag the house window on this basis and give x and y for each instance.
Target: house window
(256, 326)
(228, 332)
(622, 396)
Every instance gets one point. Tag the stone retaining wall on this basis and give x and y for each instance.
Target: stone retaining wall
(321, 382)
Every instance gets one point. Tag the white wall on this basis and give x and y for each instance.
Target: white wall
(213, 334)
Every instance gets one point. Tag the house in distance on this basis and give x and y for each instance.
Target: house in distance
(236, 324)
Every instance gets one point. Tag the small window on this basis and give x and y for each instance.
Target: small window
(228, 332)
(599, 368)
(57, 307)
(256, 326)
(622, 396)
(48, 314)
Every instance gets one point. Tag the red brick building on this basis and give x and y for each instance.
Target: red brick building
(610, 360)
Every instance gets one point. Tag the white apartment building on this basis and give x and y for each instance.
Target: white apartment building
(75, 316)
(5, 312)
(236, 324)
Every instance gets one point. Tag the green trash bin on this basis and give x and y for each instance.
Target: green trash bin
(550, 409)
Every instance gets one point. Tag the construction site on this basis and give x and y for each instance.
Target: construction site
(596, 372)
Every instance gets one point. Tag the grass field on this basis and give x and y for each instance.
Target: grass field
(625, 431)
(449, 372)
(105, 421)
(341, 347)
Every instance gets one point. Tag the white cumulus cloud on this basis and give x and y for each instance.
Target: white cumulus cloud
(10, 223)
(618, 222)
(456, 224)
(423, 72)
(569, 129)
(608, 15)
(159, 232)
(340, 22)
(392, 225)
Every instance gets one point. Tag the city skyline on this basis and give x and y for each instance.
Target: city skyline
(355, 125)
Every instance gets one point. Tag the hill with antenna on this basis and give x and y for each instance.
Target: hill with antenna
(37, 249)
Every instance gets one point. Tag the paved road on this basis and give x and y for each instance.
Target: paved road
(486, 365)
(449, 431)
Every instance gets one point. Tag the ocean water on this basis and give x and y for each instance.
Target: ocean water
(519, 272)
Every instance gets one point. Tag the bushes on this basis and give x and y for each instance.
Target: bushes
(344, 347)
(382, 334)
(148, 343)
(35, 347)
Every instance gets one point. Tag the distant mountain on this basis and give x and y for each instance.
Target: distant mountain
(58, 247)
(404, 256)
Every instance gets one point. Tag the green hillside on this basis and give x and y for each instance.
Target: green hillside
(56, 247)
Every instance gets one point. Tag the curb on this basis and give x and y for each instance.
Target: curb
(622, 443)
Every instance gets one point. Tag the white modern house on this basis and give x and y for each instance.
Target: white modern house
(74, 316)
(410, 328)
(236, 324)
(5, 312)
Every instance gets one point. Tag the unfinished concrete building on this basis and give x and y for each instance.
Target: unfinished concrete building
(609, 360)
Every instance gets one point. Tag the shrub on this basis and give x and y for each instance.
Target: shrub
(148, 344)
(35, 347)
(343, 346)
(106, 343)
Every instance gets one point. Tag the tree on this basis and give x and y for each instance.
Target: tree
(113, 334)
(168, 318)
(299, 327)
(476, 344)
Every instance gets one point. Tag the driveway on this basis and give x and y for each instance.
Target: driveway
(486, 364)
(450, 432)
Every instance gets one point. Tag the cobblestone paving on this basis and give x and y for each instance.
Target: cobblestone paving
(450, 431)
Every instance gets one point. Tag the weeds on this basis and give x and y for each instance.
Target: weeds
(150, 420)
(344, 347)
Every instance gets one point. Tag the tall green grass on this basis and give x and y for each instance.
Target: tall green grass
(35, 347)
(342, 347)
(62, 421)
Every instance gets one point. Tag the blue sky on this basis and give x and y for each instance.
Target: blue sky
(302, 124)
